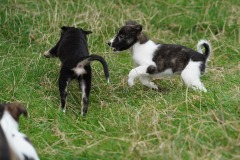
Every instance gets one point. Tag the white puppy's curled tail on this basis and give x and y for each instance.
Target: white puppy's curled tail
(207, 47)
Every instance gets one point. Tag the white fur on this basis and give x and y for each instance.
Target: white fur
(111, 42)
(167, 73)
(79, 71)
(142, 57)
(134, 73)
(200, 43)
(64, 108)
(146, 81)
(143, 53)
(47, 54)
(16, 139)
(83, 87)
(191, 76)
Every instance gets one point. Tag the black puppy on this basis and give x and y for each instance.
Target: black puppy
(72, 50)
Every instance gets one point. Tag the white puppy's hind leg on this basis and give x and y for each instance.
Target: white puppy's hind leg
(191, 76)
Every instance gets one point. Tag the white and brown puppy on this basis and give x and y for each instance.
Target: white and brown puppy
(14, 144)
(154, 60)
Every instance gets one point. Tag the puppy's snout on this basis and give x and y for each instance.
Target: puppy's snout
(47, 54)
(109, 43)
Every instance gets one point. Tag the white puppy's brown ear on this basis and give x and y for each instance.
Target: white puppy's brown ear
(16, 110)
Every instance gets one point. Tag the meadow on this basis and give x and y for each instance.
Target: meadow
(124, 123)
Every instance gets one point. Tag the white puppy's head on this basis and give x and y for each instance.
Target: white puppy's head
(14, 109)
(126, 36)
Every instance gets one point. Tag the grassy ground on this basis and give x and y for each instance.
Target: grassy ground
(123, 122)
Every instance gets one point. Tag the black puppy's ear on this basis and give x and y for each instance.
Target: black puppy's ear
(64, 28)
(87, 32)
(137, 27)
(131, 22)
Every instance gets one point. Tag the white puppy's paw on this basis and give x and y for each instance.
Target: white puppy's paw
(130, 82)
(153, 85)
(199, 88)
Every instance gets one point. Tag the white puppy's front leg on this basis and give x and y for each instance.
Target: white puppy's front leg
(136, 72)
(147, 82)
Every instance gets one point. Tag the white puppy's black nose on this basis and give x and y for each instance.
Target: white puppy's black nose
(109, 43)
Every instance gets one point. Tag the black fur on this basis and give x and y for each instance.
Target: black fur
(5, 153)
(126, 37)
(27, 158)
(151, 69)
(207, 50)
(176, 57)
(72, 50)
(2, 108)
(163, 59)
(166, 56)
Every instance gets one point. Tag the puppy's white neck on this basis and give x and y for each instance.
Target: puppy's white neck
(143, 53)
(8, 123)
(148, 46)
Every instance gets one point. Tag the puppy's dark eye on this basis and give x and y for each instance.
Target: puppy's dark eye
(121, 36)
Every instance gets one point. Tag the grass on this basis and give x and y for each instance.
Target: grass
(123, 122)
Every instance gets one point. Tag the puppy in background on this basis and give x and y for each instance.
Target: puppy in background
(14, 145)
(155, 61)
(72, 50)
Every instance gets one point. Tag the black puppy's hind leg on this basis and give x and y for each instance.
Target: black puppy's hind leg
(63, 82)
(85, 85)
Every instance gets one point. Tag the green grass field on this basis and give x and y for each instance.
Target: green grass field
(123, 122)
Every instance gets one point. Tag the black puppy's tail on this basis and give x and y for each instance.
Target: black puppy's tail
(93, 57)
(207, 47)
